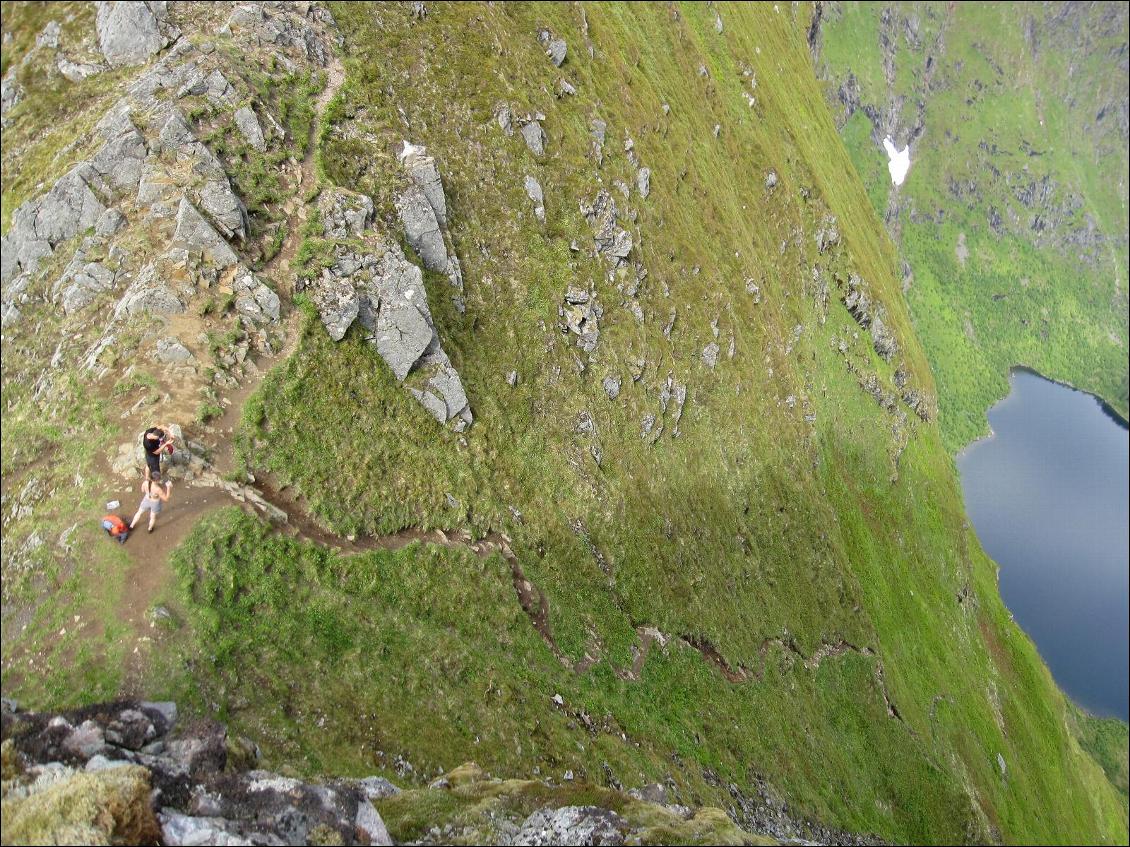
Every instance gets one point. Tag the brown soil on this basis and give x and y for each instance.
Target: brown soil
(150, 574)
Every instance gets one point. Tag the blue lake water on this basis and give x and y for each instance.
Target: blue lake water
(1048, 496)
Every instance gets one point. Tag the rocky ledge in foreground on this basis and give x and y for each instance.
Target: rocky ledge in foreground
(127, 773)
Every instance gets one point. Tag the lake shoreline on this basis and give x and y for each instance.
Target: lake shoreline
(1046, 494)
(1107, 408)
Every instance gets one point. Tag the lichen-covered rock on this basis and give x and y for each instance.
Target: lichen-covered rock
(292, 27)
(128, 32)
(255, 303)
(338, 303)
(401, 331)
(710, 354)
(612, 241)
(556, 50)
(83, 284)
(572, 825)
(77, 71)
(224, 207)
(171, 351)
(119, 773)
(109, 222)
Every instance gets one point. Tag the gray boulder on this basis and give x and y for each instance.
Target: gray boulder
(534, 192)
(572, 825)
(556, 50)
(49, 38)
(68, 208)
(599, 129)
(436, 407)
(611, 386)
(248, 126)
(179, 829)
(40, 224)
(171, 351)
(643, 181)
(424, 172)
(377, 787)
(344, 213)
(128, 33)
(883, 339)
(175, 133)
(224, 207)
(710, 354)
(255, 303)
(194, 233)
(120, 159)
(421, 228)
(369, 821)
(447, 384)
(534, 136)
(149, 295)
(77, 71)
(338, 303)
(402, 332)
(11, 92)
(109, 222)
(611, 240)
(83, 284)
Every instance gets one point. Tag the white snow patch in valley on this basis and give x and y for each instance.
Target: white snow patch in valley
(900, 160)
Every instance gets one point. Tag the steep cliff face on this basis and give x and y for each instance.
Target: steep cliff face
(568, 363)
(1012, 225)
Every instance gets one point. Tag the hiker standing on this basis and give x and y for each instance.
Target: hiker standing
(153, 495)
(154, 442)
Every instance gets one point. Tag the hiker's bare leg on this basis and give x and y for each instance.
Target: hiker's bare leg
(136, 518)
(152, 520)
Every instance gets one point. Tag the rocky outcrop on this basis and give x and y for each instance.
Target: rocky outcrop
(70, 207)
(422, 209)
(131, 772)
(372, 282)
(194, 233)
(612, 241)
(249, 127)
(580, 315)
(869, 314)
(126, 773)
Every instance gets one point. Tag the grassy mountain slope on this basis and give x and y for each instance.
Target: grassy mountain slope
(753, 525)
(1013, 219)
(819, 623)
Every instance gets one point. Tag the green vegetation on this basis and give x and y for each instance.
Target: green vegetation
(476, 802)
(1107, 739)
(809, 540)
(1013, 218)
(752, 525)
